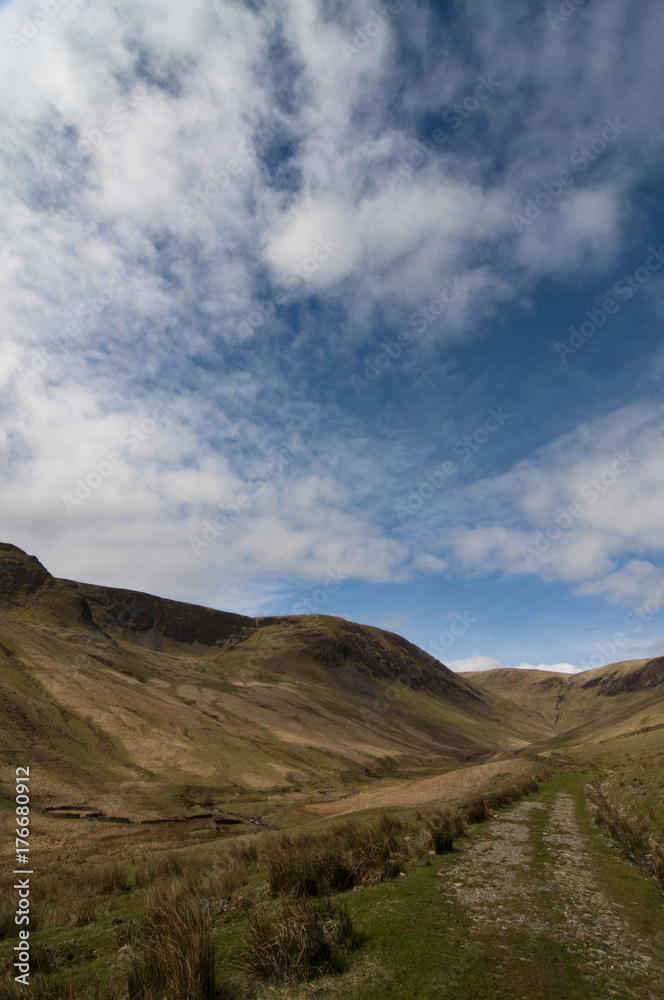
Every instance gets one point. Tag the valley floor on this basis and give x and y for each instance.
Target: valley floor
(539, 905)
(536, 903)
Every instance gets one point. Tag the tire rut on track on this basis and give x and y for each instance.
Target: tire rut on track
(553, 893)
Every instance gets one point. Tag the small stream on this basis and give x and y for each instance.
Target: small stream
(249, 819)
(66, 812)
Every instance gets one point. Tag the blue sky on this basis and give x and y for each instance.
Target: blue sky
(342, 308)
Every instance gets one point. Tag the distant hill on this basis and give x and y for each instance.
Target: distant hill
(132, 702)
(609, 701)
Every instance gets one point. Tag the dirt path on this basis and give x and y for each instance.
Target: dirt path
(535, 871)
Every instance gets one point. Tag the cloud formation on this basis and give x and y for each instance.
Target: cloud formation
(215, 214)
(479, 662)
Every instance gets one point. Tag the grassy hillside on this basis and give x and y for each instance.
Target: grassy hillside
(231, 807)
(601, 703)
(131, 704)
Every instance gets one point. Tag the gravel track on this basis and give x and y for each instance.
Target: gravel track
(542, 881)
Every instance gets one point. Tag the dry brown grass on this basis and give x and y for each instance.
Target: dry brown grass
(168, 891)
(476, 810)
(443, 828)
(170, 879)
(481, 806)
(157, 867)
(175, 957)
(225, 878)
(352, 853)
(657, 853)
(453, 787)
(300, 939)
(72, 894)
(85, 912)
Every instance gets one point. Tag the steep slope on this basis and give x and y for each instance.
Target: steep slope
(140, 701)
(608, 701)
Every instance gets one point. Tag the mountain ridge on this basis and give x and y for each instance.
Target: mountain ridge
(127, 690)
(135, 703)
(616, 692)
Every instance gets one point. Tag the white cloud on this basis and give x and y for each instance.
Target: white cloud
(475, 662)
(479, 662)
(576, 508)
(85, 356)
(637, 578)
(558, 668)
(428, 563)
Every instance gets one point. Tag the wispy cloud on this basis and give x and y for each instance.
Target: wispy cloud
(577, 509)
(221, 210)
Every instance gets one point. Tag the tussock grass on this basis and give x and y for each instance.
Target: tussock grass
(480, 807)
(300, 939)
(171, 880)
(247, 853)
(72, 905)
(45, 958)
(166, 891)
(104, 880)
(476, 810)
(634, 831)
(297, 937)
(362, 852)
(352, 853)
(158, 867)
(72, 895)
(175, 957)
(443, 828)
(657, 850)
(108, 880)
(85, 912)
(226, 877)
(528, 785)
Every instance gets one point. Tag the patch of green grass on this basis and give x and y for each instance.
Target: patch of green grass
(417, 942)
(423, 946)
